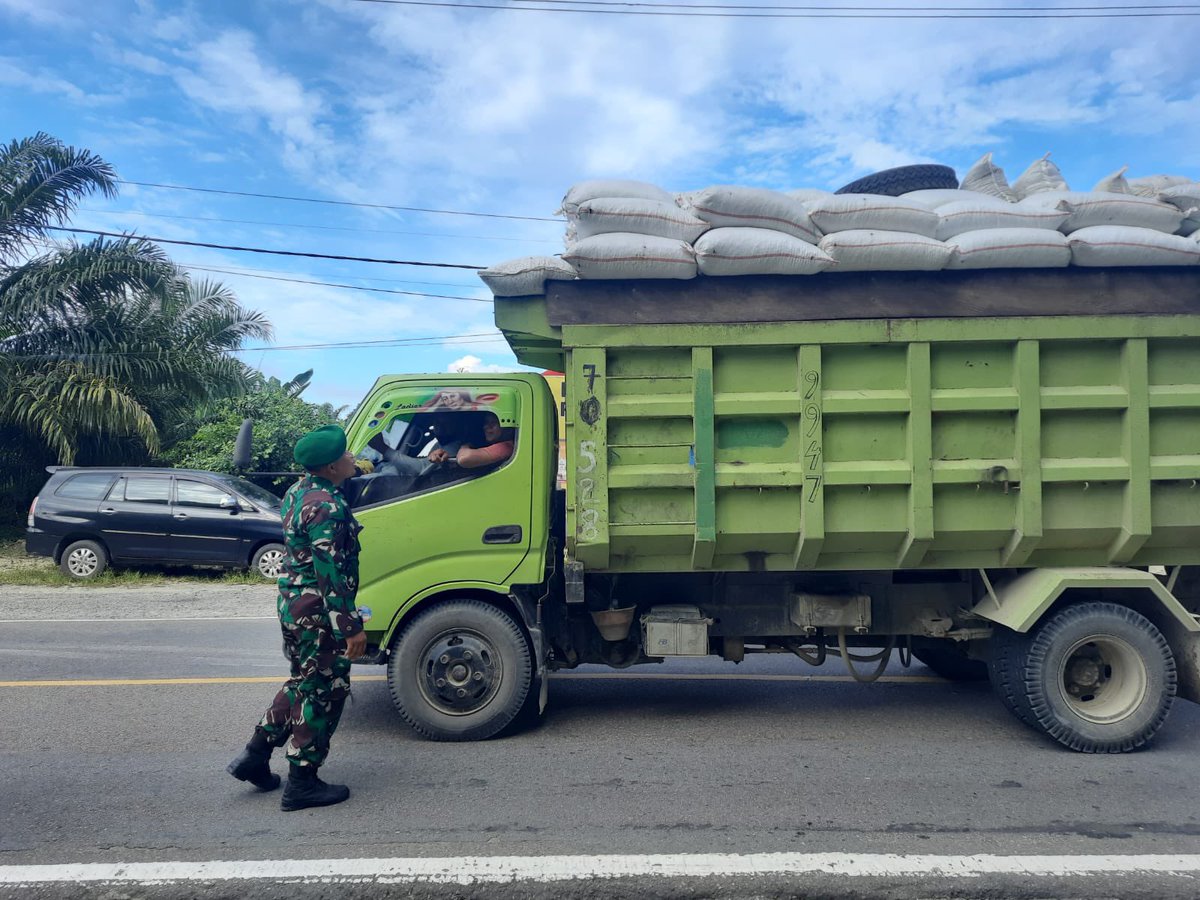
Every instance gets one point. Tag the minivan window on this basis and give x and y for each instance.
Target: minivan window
(147, 490)
(197, 493)
(252, 491)
(85, 487)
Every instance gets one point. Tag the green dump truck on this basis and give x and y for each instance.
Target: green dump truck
(995, 472)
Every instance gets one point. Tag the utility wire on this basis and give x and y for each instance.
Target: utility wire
(443, 212)
(277, 275)
(366, 259)
(472, 237)
(479, 338)
(830, 14)
(863, 9)
(482, 337)
(238, 270)
(349, 287)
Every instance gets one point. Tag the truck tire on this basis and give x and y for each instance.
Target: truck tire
(83, 560)
(268, 561)
(1100, 678)
(901, 180)
(460, 671)
(1006, 670)
(951, 663)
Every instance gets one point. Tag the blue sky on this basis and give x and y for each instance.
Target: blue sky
(500, 111)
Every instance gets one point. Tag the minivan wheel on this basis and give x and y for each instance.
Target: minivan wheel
(83, 560)
(461, 671)
(268, 561)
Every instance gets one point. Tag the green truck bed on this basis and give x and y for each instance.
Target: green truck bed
(1002, 418)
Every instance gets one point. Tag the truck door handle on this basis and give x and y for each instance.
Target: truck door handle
(180, 516)
(503, 534)
(107, 511)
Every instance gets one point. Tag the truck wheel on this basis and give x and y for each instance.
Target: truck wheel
(1006, 669)
(902, 179)
(83, 560)
(951, 663)
(1100, 678)
(268, 561)
(461, 671)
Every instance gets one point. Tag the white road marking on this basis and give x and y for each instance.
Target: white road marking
(508, 869)
(159, 619)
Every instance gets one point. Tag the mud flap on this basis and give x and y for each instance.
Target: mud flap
(1185, 645)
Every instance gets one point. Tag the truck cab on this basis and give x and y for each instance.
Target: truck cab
(440, 538)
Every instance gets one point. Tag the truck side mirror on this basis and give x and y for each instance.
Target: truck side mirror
(242, 446)
(229, 502)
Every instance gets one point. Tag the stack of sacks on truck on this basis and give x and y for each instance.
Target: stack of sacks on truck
(1039, 222)
(630, 229)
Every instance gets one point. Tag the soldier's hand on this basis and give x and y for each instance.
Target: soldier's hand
(356, 646)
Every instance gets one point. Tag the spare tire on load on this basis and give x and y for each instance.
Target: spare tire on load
(902, 179)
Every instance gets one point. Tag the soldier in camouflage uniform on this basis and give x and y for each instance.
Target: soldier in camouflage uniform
(322, 630)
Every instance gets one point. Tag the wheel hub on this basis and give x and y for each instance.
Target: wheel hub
(1084, 673)
(82, 562)
(461, 672)
(1103, 679)
(270, 564)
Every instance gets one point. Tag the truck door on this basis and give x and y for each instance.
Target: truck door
(135, 518)
(425, 525)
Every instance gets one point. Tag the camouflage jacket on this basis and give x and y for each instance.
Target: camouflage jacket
(321, 568)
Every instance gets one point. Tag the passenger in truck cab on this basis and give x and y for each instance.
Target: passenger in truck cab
(496, 447)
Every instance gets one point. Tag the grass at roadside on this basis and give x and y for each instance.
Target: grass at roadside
(16, 567)
(50, 576)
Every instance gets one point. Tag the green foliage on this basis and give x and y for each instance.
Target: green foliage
(280, 418)
(105, 347)
(41, 182)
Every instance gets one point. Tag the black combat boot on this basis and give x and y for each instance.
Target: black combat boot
(253, 764)
(305, 789)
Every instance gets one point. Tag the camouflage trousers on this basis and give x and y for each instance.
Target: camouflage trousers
(306, 711)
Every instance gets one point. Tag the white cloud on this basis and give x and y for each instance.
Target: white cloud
(39, 82)
(41, 12)
(559, 98)
(228, 74)
(471, 363)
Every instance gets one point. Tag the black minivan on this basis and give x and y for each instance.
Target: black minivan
(86, 518)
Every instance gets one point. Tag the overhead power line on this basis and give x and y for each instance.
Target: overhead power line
(477, 338)
(463, 339)
(277, 275)
(830, 12)
(420, 209)
(349, 287)
(471, 237)
(241, 270)
(840, 8)
(366, 259)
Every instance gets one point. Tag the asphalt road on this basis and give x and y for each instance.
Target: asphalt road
(690, 757)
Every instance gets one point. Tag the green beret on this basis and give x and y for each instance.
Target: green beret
(321, 447)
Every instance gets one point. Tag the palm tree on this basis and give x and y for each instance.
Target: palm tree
(108, 340)
(103, 345)
(41, 182)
